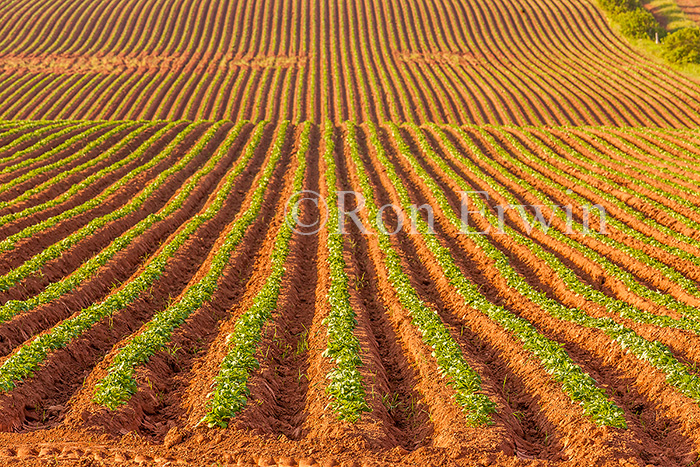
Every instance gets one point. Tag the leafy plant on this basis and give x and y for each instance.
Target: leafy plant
(448, 355)
(683, 46)
(577, 384)
(348, 398)
(29, 357)
(231, 391)
(639, 24)
(119, 385)
(677, 373)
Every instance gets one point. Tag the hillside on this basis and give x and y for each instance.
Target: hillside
(515, 62)
(347, 233)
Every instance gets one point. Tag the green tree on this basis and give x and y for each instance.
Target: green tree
(638, 24)
(683, 46)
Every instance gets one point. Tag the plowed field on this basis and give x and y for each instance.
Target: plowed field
(109, 327)
(344, 233)
(517, 62)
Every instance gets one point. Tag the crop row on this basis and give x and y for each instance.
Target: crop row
(659, 356)
(543, 292)
(57, 249)
(40, 147)
(560, 233)
(85, 182)
(668, 272)
(346, 386)
(231, 383)
(92, 266)
(28, 358)
(465, 381)
(117, 387)
(578, 385)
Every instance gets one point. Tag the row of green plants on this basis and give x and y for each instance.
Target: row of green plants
(346, 388)
(90, 103)
(671, 165)
(655, 161)
(66, 107)
(659, 356)
(27, 91)
(607, 197)
(407, 79)
(27, 131)
(28, 358)
(448, 355)
(677, 149)
(96, 143)
(231, 390)
(663, 299)
(521, 107)
(85, 182)
(212, 80)
(387, 72)
(667, 270)
(57, 97)
(640, 255)
(86, 129)
(92, 266)
(578, 385)
(661, 194)
(11, 90)
(17, 180)
(527, 55)
(57, 249)
(623, 93)
(235, 95)
(117, 387)
(612, 269)
(124, 99)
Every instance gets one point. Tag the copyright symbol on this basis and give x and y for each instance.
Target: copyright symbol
(306, 212)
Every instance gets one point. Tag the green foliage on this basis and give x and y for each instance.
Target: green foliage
(231, 384)
(658, 355)
(348, 398)
(35, 263)
(577, 384)
(683, 46)
(91, 266)
(120, 384)
(137, 128)
(86, 133)
(638, 24)
(617, 7)
(37, 131)
(634, 20)
(448, 355)
(29, 357)
(663, 299)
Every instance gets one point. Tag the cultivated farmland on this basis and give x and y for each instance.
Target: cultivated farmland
(531, 297)
(520, 62)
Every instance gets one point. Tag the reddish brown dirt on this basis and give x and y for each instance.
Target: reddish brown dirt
(691, 9)
(525, 266)
(534, 446)
(63, 371)
(502, 62)
(119, 269)
(28, 247)
(64, 185)
(159, 405)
